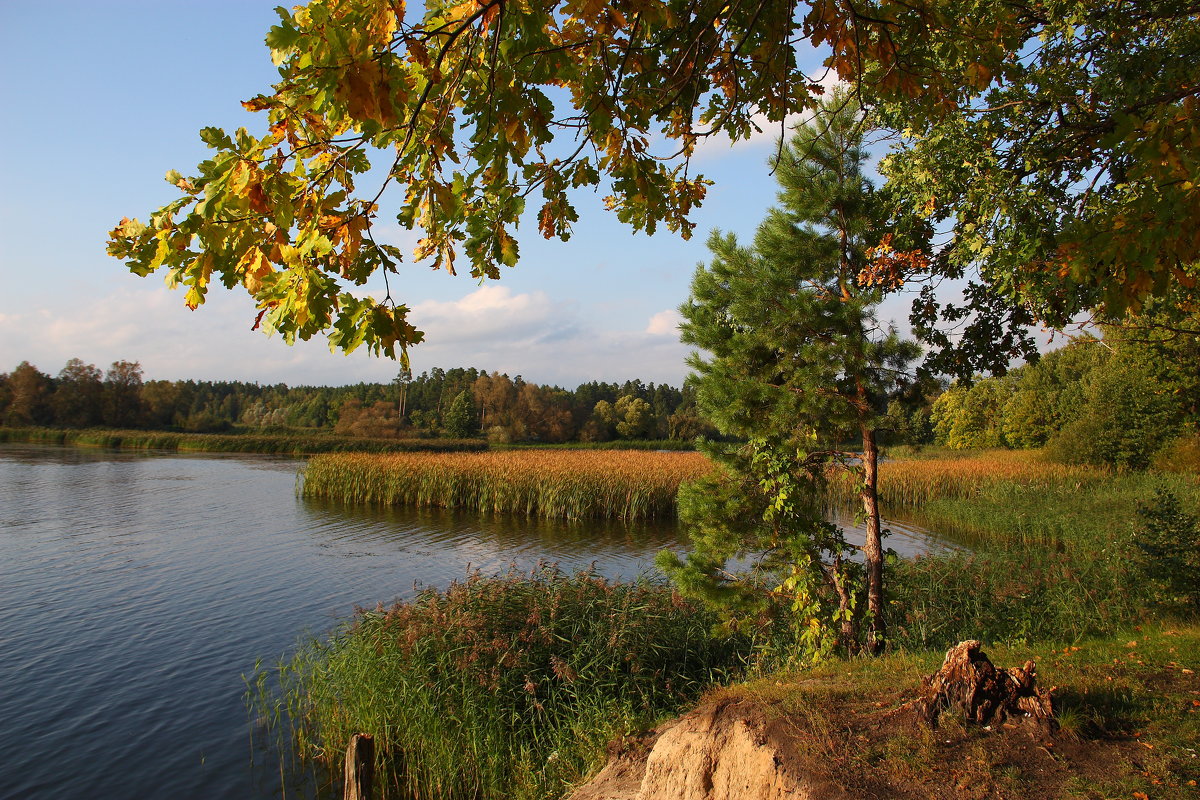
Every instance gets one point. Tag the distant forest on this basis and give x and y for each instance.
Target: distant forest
(456, 403)
(1124, 401)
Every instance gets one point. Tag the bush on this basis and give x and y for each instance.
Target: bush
(1128, 415)
(1180, 455)
(1167, 543)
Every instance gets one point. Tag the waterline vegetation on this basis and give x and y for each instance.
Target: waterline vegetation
(498, 686)
(1054, 560)
(294, 444)
(626, 485)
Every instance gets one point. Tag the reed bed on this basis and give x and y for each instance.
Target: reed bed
(914, 483)
(504, 686)
(271, 443)
(564, 484)
(615, 444)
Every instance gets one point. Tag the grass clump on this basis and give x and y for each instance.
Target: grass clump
(914, 482)
(564, 484)
(505, 686)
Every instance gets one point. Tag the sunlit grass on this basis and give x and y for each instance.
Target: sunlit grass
(566, 484)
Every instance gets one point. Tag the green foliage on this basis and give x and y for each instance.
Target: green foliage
(977, 423)
(1115, 401)
(483, 111)
(26, 396)
(403, 409)
(762, 512)
(459, 421)
(1128, 416)
(505, 686)
(77, 395)
(1167, 543)
(945, 412)
(794, 363)
(1180, 455)
(1061, 205)
(123, 395)
(629, 417)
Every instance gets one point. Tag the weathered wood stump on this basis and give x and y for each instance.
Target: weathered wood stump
(360, 767)
(983, 692)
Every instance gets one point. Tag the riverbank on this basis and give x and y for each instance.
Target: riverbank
(1127, 705)
(294, 444)
(1055, 571)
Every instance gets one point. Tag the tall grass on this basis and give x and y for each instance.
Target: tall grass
(911, 483)
(566, 484)
(616, 444)
(1051, 547)
(273, 443)
(505, 686)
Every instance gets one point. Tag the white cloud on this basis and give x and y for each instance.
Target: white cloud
(664, 323)
(491, 315)
(151, 325)
(543, 340)
(768, 132)
(491, 327)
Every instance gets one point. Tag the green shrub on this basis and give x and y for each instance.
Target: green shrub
(1180, 455)
(1127, 415)
(1167, 543)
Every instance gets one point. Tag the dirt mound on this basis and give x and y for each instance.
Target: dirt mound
(723, 750)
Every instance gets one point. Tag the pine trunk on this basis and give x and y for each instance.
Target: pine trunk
(873, 545)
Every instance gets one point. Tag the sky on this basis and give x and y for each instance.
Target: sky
(100, 100)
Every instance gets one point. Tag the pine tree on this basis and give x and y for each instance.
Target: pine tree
(794, 366)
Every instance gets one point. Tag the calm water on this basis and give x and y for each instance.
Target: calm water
(136, 591)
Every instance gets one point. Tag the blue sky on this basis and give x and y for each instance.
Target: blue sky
(101, 99)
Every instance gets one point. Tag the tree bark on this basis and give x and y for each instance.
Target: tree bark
(873, 544)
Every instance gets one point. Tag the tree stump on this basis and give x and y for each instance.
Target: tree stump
(360, 767)
(983, 692)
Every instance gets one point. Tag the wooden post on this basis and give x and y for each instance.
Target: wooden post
(360, 767)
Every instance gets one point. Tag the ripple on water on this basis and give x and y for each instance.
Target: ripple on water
(137, 589)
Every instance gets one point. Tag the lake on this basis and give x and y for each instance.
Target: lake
(136, 591)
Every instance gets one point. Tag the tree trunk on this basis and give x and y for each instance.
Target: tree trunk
(849, 630)
(873, 545)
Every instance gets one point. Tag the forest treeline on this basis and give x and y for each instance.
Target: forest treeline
(456, 403)
(1117, 401)
(1124, 401)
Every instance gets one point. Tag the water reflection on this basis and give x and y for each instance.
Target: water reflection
(907, 538)
(137, 588)
(489, 542)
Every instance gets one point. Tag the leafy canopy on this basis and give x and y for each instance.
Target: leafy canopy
(1053, 133)
(1067, 165)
